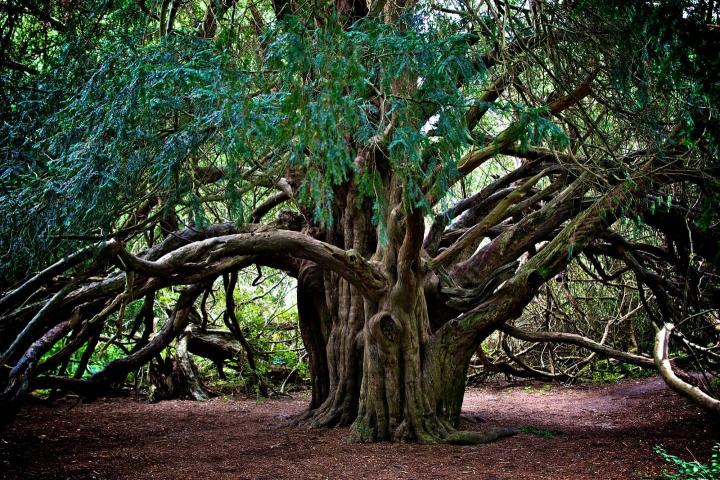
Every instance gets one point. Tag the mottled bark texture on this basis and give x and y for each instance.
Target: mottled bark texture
(333, 316)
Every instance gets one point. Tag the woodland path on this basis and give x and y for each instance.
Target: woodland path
(605, 432)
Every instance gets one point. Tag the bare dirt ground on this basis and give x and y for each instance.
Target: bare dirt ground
(603, 432)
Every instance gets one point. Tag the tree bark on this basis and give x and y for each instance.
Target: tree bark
(662, 360)
(397, 400)
(345, 308)
(314, 320)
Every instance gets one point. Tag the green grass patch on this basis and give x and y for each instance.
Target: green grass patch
(546, 388)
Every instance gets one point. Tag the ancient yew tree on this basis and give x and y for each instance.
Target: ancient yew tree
(423, 169)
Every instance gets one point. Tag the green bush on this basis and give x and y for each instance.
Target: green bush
(692, 470)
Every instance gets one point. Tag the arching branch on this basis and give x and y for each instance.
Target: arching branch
(197, 255)
(662, 361)
(177, 322)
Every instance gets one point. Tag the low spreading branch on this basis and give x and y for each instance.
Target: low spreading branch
(580, 341)
(662, 361)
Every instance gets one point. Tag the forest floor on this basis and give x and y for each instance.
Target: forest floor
(599, 432)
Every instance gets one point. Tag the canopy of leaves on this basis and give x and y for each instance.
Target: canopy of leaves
(105, 117)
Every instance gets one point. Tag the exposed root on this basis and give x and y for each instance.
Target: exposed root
(466, 437)
(441, 433)
(322, 417)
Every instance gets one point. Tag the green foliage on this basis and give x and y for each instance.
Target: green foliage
(269, 322)
(537, 129)
(118, 114)
(691, 469)
(119, 121)
(99, 359)
(336, 72)
(605, 371)
(679, 50)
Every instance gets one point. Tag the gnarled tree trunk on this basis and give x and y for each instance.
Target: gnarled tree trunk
(338, 321)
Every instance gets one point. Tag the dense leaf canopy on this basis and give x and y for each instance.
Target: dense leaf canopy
(103, 114)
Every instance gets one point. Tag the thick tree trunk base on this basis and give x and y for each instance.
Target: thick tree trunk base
(425, 431)
(431, 431)
(334, 412)
(177, 376)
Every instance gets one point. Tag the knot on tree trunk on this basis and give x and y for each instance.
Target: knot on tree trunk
(384, 327)
(354, 257)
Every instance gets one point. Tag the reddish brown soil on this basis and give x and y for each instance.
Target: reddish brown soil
(607, 433)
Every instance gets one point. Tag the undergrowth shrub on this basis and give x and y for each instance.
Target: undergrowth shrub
(691, 469)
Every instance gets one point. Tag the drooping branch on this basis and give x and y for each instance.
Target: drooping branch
(91, 296)
(119, 369)
(19, 377)
(21, 293)
(231, 321)
(662, 361)
(37, 320)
